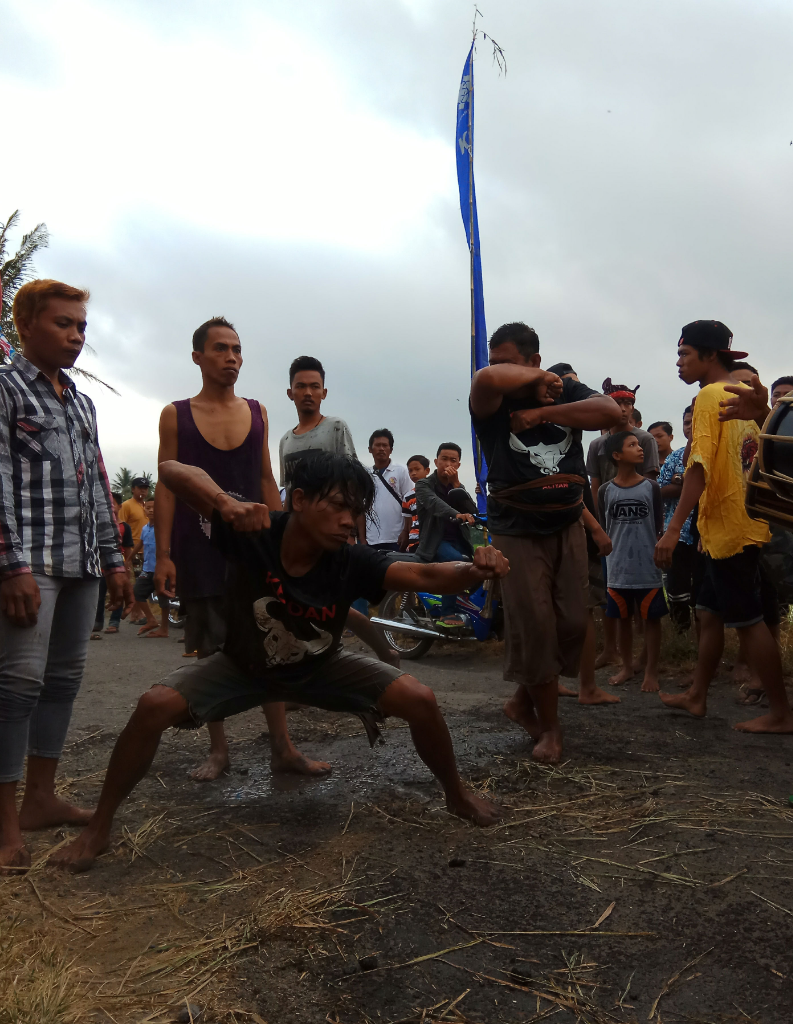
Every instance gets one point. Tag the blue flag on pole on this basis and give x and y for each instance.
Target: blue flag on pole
(465, 179)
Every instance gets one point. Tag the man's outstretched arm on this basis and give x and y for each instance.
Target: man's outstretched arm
(198, 490)
(749, 403)
(447, 577)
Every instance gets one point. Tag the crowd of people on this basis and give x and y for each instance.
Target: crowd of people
(270, 574)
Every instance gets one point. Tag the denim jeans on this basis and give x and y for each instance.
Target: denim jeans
(41, 668)
(448, 552)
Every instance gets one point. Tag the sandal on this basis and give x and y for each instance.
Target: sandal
(751, 696)
(97, 636)
(190, 654)
(451, 621)
(112, 629)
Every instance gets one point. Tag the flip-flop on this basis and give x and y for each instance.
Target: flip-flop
(112, 629)
(97, 636)
(750, 696)
(190, 654)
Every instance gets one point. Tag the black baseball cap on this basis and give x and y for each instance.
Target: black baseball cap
(140, 481)
(711, 334)
(560, 369)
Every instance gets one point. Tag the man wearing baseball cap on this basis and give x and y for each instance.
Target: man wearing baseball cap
(730, 594)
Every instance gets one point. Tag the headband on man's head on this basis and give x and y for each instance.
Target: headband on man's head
(619, 390)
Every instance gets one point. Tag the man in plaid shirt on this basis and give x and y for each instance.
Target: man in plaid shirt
(58, 536)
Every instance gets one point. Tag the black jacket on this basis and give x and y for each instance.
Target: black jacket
(434, 513)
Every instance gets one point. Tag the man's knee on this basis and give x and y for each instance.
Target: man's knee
(407, 698)
(159, 708)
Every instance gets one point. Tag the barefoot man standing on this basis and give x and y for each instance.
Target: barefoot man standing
(529, 424)
(721, 456)
(226, 436)
(57, 537)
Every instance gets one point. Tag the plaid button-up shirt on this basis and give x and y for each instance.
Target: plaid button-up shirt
(56, 512)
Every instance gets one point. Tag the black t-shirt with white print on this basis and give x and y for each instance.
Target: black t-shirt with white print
(283, 627)
(542, 453)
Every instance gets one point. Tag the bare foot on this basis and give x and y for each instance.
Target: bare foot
(685, 702)
(46, 812)
(155, 634)
(522, 713)
(597, 696)
(80, 855)
(297, 764)
(474, 808)
(147, 628)
(607, 658)
(548, 748)
(768, 723)
(624, 674)
(214, 766)
(14, 860)
(565, 691)
(650, 684)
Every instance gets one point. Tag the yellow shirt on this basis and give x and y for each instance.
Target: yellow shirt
(132, 512)
(725, 451)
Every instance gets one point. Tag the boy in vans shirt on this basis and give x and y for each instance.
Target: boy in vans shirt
(631, 513)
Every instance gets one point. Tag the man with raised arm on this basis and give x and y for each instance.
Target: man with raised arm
(529, 424)
(292, 579)
(58, 537)
(227, 437)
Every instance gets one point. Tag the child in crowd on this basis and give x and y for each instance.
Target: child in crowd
(630, 510)
(144, 584)
(418, 469)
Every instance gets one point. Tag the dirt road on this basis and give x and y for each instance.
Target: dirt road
(358, 898)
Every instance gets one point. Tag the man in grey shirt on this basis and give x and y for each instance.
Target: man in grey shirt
(314, 432)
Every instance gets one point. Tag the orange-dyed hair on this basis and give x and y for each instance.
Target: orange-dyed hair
(32, 297)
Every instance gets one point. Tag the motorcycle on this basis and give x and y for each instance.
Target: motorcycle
(410, 620)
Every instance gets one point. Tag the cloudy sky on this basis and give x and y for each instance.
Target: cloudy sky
(290, 164)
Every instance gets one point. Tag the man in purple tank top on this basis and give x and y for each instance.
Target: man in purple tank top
(226, 436)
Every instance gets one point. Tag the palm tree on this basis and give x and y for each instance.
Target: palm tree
(122, 482)
(15, 271)
(13, 274)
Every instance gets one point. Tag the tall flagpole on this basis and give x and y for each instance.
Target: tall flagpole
(471, 244)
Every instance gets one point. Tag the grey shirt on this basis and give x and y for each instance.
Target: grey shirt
(604, 469)
(330, 435)
(633, 519)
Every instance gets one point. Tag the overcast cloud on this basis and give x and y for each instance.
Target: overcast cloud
(291, 166)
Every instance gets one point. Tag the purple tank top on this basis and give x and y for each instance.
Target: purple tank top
(200, 568)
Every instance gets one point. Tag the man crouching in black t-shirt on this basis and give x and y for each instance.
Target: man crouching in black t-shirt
(292, 579)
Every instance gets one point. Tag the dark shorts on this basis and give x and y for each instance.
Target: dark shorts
(143, 590)
(545, 604)
(215, 688)
(205, 625)
(622, 601)
(733, 589)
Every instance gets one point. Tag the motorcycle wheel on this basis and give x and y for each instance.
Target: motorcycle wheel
(406, 605)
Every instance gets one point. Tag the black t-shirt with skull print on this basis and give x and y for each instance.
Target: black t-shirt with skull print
(284, 627)
(543, 452)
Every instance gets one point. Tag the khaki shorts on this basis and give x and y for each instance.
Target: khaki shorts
(215, 688)
(545, 604)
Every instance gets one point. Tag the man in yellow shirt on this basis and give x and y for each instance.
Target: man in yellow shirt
(133, 512)
(720, 459)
